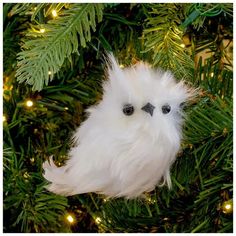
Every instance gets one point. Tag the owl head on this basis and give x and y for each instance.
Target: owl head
(142, 100)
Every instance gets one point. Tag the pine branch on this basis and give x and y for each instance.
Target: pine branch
(214, 79)
(48, 51)
(164, 40)
(13, 26)
(24, 194)
(22, 9)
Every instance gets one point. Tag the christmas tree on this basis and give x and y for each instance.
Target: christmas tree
(53, 70)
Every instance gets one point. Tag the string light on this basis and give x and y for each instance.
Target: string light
(54, 13)
(150, 200)
(42, 30)
(212, 74)
(98, 220)
(227, 207)
(121, 66)
(26, 175)
(4, 118)
(6, 79)
(49, 72)
(70, 218)
(29, 103)
(59, 163)
(182, 45)
(7, 87)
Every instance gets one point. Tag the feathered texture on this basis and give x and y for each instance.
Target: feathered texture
(130, 139)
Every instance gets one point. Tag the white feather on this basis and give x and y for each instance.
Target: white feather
(119, 155)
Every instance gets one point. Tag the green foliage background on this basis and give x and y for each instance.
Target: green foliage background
(72, 49)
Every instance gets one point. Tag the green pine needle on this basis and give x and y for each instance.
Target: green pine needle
(48, 50)
(164, 39)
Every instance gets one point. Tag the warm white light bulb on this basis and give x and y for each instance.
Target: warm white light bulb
(227, 207)
(42, 30)
(70, 219)
(49, 72)
(29, 103)
(54, 13)
(98, 220)
(212, 74)
(182, 45)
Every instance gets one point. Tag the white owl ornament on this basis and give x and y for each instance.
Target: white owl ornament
(129, 140)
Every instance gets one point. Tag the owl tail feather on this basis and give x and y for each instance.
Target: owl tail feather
(58, 178)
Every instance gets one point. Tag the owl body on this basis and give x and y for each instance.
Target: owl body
(129, 140)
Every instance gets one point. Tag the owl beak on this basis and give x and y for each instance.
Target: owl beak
(148, 108)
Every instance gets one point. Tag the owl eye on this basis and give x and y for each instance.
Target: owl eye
(166, 109)
(128, 109)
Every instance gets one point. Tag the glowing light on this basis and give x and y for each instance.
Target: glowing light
(105, 200)
(212, 74)
(4, 118)
(227, 207)
(6, 87)
(66, 108)
(150, 200)
(70, 219)
(98, 220)
(42, 30)
(182, 45)
(49, 72)
(29, 103)
(122, 66)
(26, 175)
(54, 13)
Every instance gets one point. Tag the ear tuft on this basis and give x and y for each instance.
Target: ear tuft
(112, 63)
